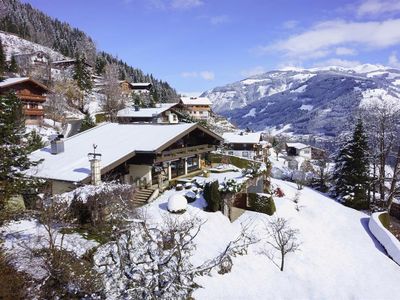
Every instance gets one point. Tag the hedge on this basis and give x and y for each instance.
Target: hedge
(261, 203)
(241, 163)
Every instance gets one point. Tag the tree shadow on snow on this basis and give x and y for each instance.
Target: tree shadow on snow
(364, 222)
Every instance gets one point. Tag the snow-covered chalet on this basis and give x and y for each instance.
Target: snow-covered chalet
(141, 154)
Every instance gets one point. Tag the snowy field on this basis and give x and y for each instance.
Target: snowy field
(338, 258)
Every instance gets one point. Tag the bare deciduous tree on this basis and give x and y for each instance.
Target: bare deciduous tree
(282, 239)
(56, 104)
(278, 144)
(381, 116)
(114, 99)
(151, 262)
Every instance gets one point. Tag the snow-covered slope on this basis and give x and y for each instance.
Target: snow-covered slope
(15, 45)
(338, 259)
(313, 101)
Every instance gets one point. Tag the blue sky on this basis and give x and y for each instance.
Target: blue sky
(196, 45)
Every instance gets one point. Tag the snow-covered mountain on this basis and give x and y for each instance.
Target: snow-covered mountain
(14, 45)
(304, 101)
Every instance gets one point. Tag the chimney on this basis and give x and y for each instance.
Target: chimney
(137, 107)
(95, 170)
(57, 145)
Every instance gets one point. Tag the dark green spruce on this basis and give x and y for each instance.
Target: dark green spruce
(14, 151)
(351, 174)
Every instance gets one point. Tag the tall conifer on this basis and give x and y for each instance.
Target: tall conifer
(14, 150)
(351, 175)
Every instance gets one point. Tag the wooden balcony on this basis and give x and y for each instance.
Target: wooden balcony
(32, 98)
(184, 152)
(33, 112)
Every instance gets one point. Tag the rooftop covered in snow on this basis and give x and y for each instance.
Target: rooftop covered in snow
(115, 142)
(298, 146)
(141, 85)
(242, 138)
(8, 82)
(195, 101)
(145, 112)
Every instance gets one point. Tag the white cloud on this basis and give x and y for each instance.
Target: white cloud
(337, 62)
(206, 75)
(393, 60)
(253, 71)
(345, 51)
(216, 20)
(321, 39)
(290, 24)
(186, 4)
(377, 7)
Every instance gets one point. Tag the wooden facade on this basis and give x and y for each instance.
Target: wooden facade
(32, 95)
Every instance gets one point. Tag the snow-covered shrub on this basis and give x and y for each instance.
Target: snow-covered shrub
(190, 196)
(108, 202)
(231, 186)
(177, 203)
(253, 169)
(263, 203)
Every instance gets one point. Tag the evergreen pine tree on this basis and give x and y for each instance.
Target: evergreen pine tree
(13, 151)
(34, 141)
(352, 170)
(100, 65)
(82, 75)
(87, 123)
(3, 64)
(13, 66)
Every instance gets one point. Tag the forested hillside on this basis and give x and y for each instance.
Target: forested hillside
(33, 25)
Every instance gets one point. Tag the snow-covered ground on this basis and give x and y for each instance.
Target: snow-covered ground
(24, 236)
(338, 259)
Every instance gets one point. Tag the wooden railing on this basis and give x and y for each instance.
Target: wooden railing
(33, 111)
(183, 152)
(32, 97)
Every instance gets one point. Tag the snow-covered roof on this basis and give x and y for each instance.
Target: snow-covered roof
(195, 101)
(145, 112)
(140, 84)
(11, 81)
(244, 138)
(64, 61)
(114, 141)
(298, 146)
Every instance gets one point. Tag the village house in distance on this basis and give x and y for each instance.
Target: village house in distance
(305, 151)
(164, 113)
(198, 108)
(31, 93)
(244, 144)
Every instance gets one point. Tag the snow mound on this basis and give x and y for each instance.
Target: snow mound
(385, 237)
(177, 203)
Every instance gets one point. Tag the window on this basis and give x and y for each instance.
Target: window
(245, 154)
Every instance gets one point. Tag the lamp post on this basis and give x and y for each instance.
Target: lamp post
(95, 159)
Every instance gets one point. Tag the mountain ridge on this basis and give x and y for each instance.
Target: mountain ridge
(314, 101)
